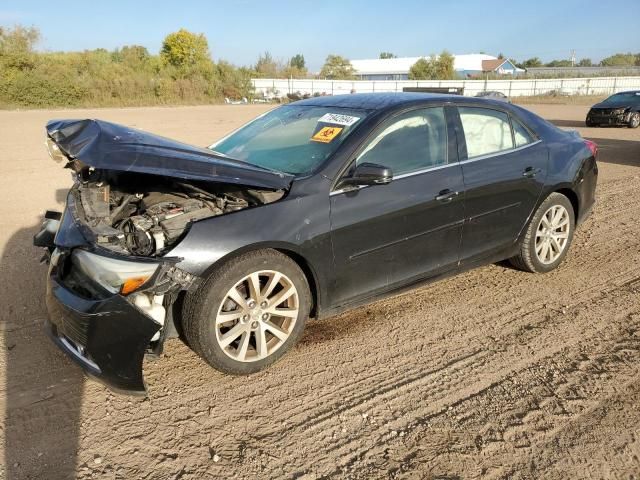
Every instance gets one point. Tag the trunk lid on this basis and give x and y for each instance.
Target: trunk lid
(110, 146)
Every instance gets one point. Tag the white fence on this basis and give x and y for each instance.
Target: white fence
(513, 88)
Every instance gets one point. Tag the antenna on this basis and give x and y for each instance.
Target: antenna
(573, 58)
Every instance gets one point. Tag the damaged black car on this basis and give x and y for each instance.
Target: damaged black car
(621, 109)
(310, 209)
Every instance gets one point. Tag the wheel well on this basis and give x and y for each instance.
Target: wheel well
(299, 259)
(573, 198)
(308, 273)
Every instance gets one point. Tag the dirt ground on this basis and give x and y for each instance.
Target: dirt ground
(494, 373)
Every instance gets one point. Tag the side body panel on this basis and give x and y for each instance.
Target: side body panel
(501, 191)
(386, 234)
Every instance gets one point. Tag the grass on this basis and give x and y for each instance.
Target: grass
(559, 100)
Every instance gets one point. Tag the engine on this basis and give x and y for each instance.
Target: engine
(146, 223)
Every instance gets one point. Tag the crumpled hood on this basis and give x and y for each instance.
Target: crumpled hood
(109, 146)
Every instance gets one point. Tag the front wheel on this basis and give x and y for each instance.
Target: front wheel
(634, 120)
(248, 313)
(548, 236)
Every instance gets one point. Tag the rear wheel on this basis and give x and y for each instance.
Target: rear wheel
(634, 120)
(248, 313)
(548, 236)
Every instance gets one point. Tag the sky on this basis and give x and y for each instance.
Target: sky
(240, 30)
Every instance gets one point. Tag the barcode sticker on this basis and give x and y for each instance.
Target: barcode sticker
(338, 119)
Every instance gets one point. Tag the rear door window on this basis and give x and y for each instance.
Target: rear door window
(486, 131)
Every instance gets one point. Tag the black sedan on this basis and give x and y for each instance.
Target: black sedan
(310, 209)
(621, 109)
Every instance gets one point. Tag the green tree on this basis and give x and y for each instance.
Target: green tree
(337, 68)
(585, 62)
(439, 67)
(297, 61)
(296, 68)
(444, 66)
(266, 66)
(620, 60)
(423, 69)
(134, 54)
(532, 62)
(384, 55)
(234, 82)
(559, 63)
(294, 72)
(16, 46)
(183, 49)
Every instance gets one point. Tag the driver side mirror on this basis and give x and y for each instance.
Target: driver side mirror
(368, 174)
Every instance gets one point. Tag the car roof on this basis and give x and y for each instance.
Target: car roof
(376, 101)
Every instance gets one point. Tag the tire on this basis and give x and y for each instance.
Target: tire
(634, 120)
(233, 346)
(533, 255)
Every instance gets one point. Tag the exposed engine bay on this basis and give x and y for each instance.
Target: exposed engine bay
(144, 215)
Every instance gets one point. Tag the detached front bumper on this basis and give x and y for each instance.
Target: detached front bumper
(108, 337)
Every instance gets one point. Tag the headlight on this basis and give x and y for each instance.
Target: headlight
(54, 151)
(115, 275)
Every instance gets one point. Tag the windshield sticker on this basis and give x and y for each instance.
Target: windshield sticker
(338, 119)
(326, 134)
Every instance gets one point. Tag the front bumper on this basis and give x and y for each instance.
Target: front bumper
(108, 337)
(619, 119)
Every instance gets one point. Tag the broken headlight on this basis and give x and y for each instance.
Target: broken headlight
(117, 276)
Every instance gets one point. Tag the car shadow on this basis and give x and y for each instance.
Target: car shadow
(353, 322)
(43, 390)
(568, 123)
(617, 152)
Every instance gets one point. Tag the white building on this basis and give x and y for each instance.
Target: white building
(468, 65)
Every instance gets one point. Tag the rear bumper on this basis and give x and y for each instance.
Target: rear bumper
(107, 337)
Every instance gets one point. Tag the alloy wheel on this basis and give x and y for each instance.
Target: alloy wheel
(257, 316)
(552, 235)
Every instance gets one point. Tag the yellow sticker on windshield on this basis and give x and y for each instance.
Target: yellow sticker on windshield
(326, 134)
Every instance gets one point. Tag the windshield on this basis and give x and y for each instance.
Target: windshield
(621, 99)
(294, 139)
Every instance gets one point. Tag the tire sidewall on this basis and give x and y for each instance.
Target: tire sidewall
(216, 289)
(551, 200)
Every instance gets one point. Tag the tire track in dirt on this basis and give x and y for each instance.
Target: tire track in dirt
(447, 388)
(555, 394)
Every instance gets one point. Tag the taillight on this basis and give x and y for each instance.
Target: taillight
(593, 146)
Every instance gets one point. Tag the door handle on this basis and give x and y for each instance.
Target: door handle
(530, 172)
(446, 195)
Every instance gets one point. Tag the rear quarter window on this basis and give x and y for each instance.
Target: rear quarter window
(521, 135)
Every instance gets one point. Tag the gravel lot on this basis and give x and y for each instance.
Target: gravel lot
(494, 373)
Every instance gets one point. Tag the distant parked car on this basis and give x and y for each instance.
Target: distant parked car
(620, 109)
(309, 210)
(493, 95)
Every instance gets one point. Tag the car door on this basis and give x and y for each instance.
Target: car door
(386, 235)
(504, 169)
